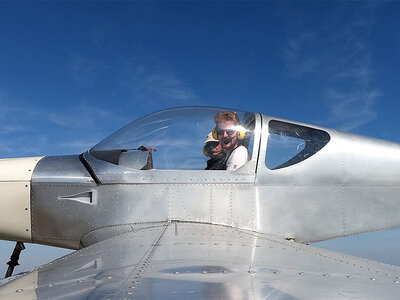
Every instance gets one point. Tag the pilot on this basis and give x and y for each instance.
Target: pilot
(212, 148)
(229, 133)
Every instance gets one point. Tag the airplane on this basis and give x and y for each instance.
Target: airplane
(148, 221)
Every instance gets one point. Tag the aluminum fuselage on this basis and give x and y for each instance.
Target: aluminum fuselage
(350, 186)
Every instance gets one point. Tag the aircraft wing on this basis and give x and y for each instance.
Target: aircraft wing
(178, 260)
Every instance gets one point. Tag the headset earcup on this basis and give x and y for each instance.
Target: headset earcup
(205, 151)
(241, 133)
(214, 134)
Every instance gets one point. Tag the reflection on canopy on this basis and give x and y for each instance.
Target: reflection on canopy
(177, 135)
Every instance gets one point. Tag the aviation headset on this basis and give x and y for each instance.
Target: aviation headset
(205, 151)
(241, 135)
(241, 132)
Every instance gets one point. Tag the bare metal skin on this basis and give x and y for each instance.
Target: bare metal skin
(204, 234)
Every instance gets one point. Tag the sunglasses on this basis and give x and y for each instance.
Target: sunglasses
(228, 131)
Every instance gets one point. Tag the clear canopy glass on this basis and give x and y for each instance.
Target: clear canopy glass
(289, 144)
(174, 138)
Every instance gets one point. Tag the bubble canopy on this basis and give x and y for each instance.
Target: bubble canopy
(174, 138)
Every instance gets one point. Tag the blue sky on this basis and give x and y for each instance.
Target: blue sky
(72, 73)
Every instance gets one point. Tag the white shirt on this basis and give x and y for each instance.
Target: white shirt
(237, 158)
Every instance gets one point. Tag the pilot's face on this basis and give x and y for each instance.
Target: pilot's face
(227, 135)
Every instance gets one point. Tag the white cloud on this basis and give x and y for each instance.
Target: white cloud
(6, 148)
(351, 110)
(167, 85)
(18, 146)
(10, 116)
(84, 69)
(155, 84)
(340, 65)
(298, 54)
(19, 138)
(350, 94)
(11, 128)
(80, 116)
(78, 145)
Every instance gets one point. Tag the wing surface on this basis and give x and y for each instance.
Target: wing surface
(180, 260)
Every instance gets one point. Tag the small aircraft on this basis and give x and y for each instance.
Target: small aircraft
(152, 224)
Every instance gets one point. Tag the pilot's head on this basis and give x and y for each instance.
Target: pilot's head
(212, 147)
(227, 126)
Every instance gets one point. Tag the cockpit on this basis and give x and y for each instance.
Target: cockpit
(172, 146)
(172, 139)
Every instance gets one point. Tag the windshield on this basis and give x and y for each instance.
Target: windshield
(169, 139)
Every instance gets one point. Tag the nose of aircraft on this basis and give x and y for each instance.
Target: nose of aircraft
(15, 204)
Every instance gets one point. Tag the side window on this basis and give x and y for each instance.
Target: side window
(289, 143)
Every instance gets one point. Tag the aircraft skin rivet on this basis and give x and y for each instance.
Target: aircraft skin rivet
(372, 278)
(80, 280)
(225, 271)
(396, 281)
(251, 271)
(203, 272)
(176, 273)
(325, 275)
(349, 276)
(19, 290)
(301, 273)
